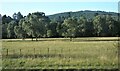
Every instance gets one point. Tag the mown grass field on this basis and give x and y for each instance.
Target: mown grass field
(60, 53)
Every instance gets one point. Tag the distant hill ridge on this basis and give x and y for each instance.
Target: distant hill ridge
(87, 13)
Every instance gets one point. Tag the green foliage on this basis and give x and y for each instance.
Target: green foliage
(82, 26)
(35, 24)
(87, 14)
(97, 25)
(105, 26)
(4, 30)
(19, 31)
(10, 29)
(49, 33)
(68, 24)
(17, 16)
(6, 19)
(52, 29)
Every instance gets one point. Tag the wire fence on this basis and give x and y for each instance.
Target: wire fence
(35, 53)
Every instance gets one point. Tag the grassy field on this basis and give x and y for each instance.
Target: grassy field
(60, 53)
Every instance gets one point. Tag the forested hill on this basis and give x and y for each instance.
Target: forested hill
(67, 24)
(87, 14)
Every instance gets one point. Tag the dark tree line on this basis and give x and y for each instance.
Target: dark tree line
(36, 25)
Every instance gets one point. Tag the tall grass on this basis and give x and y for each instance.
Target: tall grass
(61, 54)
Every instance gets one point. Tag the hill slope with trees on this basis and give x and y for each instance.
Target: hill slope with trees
(67, 24)
(87, 14)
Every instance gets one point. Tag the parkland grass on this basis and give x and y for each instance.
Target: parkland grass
(60, 53)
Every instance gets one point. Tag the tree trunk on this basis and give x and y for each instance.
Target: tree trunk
(23, 38)
(36, 39)
(32, 38)
(70, 38)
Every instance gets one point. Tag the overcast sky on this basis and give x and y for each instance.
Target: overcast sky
(52, 6)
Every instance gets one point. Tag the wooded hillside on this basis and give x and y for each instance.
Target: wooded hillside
(67, 24)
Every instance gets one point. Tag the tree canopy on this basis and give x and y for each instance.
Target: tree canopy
(37, 24)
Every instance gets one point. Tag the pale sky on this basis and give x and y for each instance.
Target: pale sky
(9, 7)
(60, 0)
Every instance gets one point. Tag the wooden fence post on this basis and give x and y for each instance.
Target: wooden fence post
(28, 51)
(7, 52)
(34, 52)
(61, 50)
(69, 50)
(69, 54)
(20, 52)
(13, 52)
(40, 51)
(48, 52)
(55, 51)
